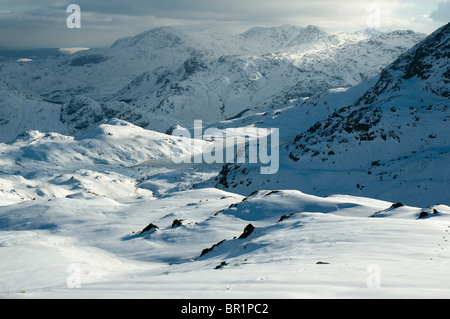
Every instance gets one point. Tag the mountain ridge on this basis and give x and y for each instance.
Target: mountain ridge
(390, 142)
(167, 76)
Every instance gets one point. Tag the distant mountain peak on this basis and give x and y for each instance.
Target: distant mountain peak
(169, 35)
(428, 61)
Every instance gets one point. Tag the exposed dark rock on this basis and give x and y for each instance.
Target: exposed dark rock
(207, 250)
(226, 169)
(283, 217)
(253, 193)
(293, 157)
(149, 227)
(272, 192)
(396, 205)
(222, 264)
(425, 213)
(247, 231)
(176, 223)
(194, 64)
(88, 59)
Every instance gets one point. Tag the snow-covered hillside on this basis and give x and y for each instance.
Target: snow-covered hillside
(385, 138)
(77, 221)
(21, 112)
(169, 76)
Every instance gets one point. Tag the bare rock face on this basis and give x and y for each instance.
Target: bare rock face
(150, 227)
(247, 231)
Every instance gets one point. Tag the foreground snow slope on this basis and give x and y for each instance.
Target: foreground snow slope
(328, 247)
(73, 227)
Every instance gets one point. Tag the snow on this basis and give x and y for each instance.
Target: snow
(68, 219)
(168, 75)
(384, 138)
(102, 211)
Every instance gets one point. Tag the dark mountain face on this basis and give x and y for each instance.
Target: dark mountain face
(419, 61)
(419, 73)
(428, 61)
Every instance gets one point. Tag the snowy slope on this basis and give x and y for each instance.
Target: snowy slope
(386, 138)
(21, 112)
(302, 246)
(97, 163)
(79, 220)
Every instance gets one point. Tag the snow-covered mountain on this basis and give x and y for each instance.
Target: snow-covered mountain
(169, 76)
(387, 137)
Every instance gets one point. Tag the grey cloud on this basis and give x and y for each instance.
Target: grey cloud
(232, 10)
(442, 13)
(32, 23)
(182, 9)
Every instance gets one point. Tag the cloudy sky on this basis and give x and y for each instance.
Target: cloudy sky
(39, 24)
